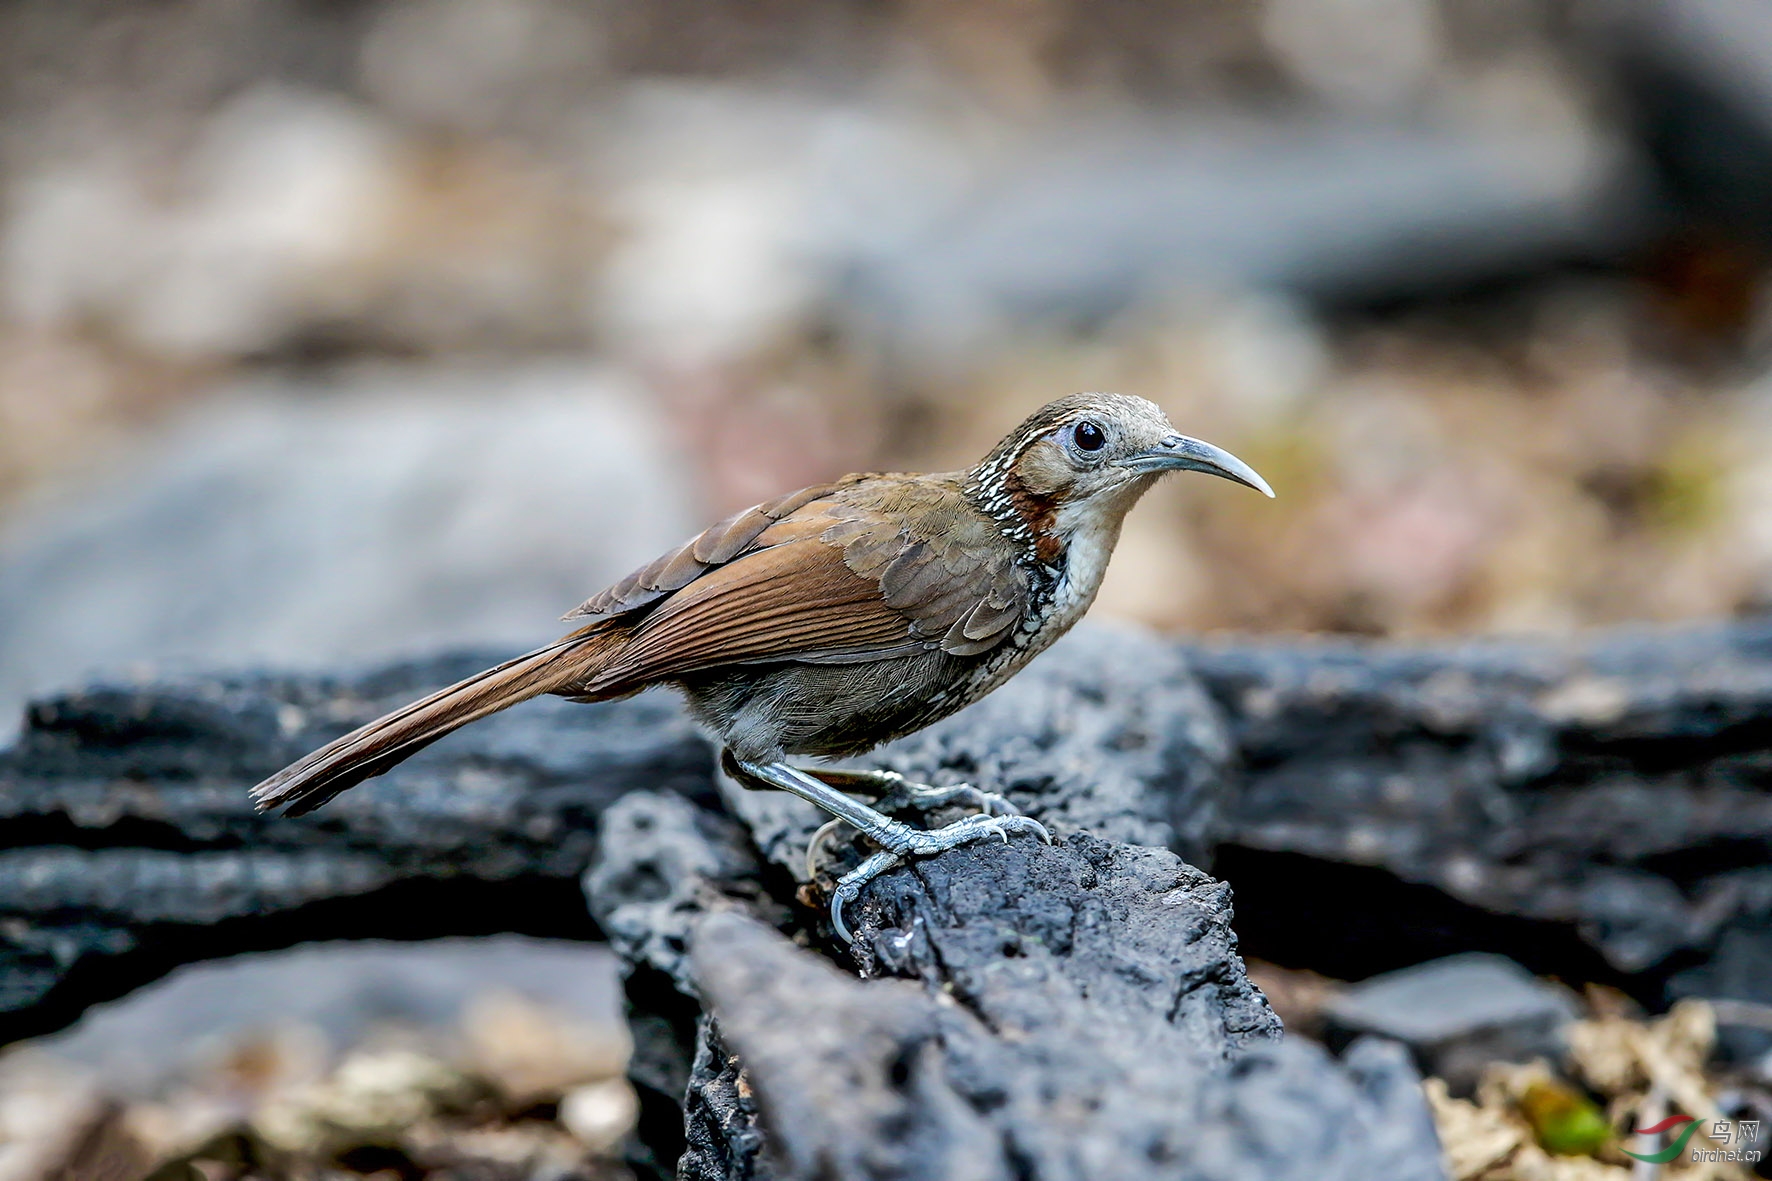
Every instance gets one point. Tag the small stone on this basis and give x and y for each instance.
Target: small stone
(532, 1052)
(1456, 1014)
(371, 1098)
(599, 1115)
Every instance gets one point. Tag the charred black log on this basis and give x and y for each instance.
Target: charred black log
(1617, 785)
(1024, 1012)
(1596, 808)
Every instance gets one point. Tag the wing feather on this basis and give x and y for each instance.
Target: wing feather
(858, 570)
(988, 619)
(795, 600)
(714, 546)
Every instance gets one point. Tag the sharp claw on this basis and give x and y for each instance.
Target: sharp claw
(837, 919)
(916, 843)
(812, 846)
(850, 887)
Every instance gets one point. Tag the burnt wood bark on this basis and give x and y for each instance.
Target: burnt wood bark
(1075, 1011)
(1611, 790)
(1620, 783)
(127, 843)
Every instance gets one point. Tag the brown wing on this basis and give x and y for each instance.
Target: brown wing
(946, 569)
(714, 546)
(865, 569)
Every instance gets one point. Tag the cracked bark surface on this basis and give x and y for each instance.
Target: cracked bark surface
(1612, 789)
(1616, 783)
(129, 844)
(1073, 1011)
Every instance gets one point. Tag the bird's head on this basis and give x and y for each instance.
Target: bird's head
(1083, 461)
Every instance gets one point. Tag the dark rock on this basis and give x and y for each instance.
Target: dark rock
(662, 864)
(1456, 1014)
(1740, 971)
(35, 957)
(1612, 788)
(886, 1078)
(722, 1132)
(341, 991)
(1081, 940)
(1108, 733)
(1024, 1011)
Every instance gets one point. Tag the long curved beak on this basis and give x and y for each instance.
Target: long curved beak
(1180, 453)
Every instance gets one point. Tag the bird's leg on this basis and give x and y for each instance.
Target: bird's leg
(893, 791)
(896, 839)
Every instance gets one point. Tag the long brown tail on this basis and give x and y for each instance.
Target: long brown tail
(380, 745)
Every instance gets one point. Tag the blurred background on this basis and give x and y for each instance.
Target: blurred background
(349, 329)
(339, 330)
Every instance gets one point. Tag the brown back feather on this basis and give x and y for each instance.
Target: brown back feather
(378, 746)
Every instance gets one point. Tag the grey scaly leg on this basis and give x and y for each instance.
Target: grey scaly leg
(896, 839)
(894, 791)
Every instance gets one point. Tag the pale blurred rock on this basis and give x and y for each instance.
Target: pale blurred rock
(599, 1115)
(1362, 53)
(1457, 1014)
(303, 522)
(712, 195)
(45, 1106)
(283, 189)
(252, 1025)
(476, 64)
(373, 1097)
(533, 1053)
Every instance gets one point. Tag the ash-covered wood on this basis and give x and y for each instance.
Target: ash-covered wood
(1070, 1011)
(1611, 791)
(130, 844)
(1617, 784)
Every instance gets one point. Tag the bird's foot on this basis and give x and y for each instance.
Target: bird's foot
(924, 797)
(893, 791)
(900, 841)
(897, 840)
(905, 793)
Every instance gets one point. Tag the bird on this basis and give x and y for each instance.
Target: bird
(833, 619)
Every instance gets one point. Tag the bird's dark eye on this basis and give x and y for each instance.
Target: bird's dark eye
(1088, 436)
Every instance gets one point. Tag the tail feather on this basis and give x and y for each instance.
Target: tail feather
(371, 749)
